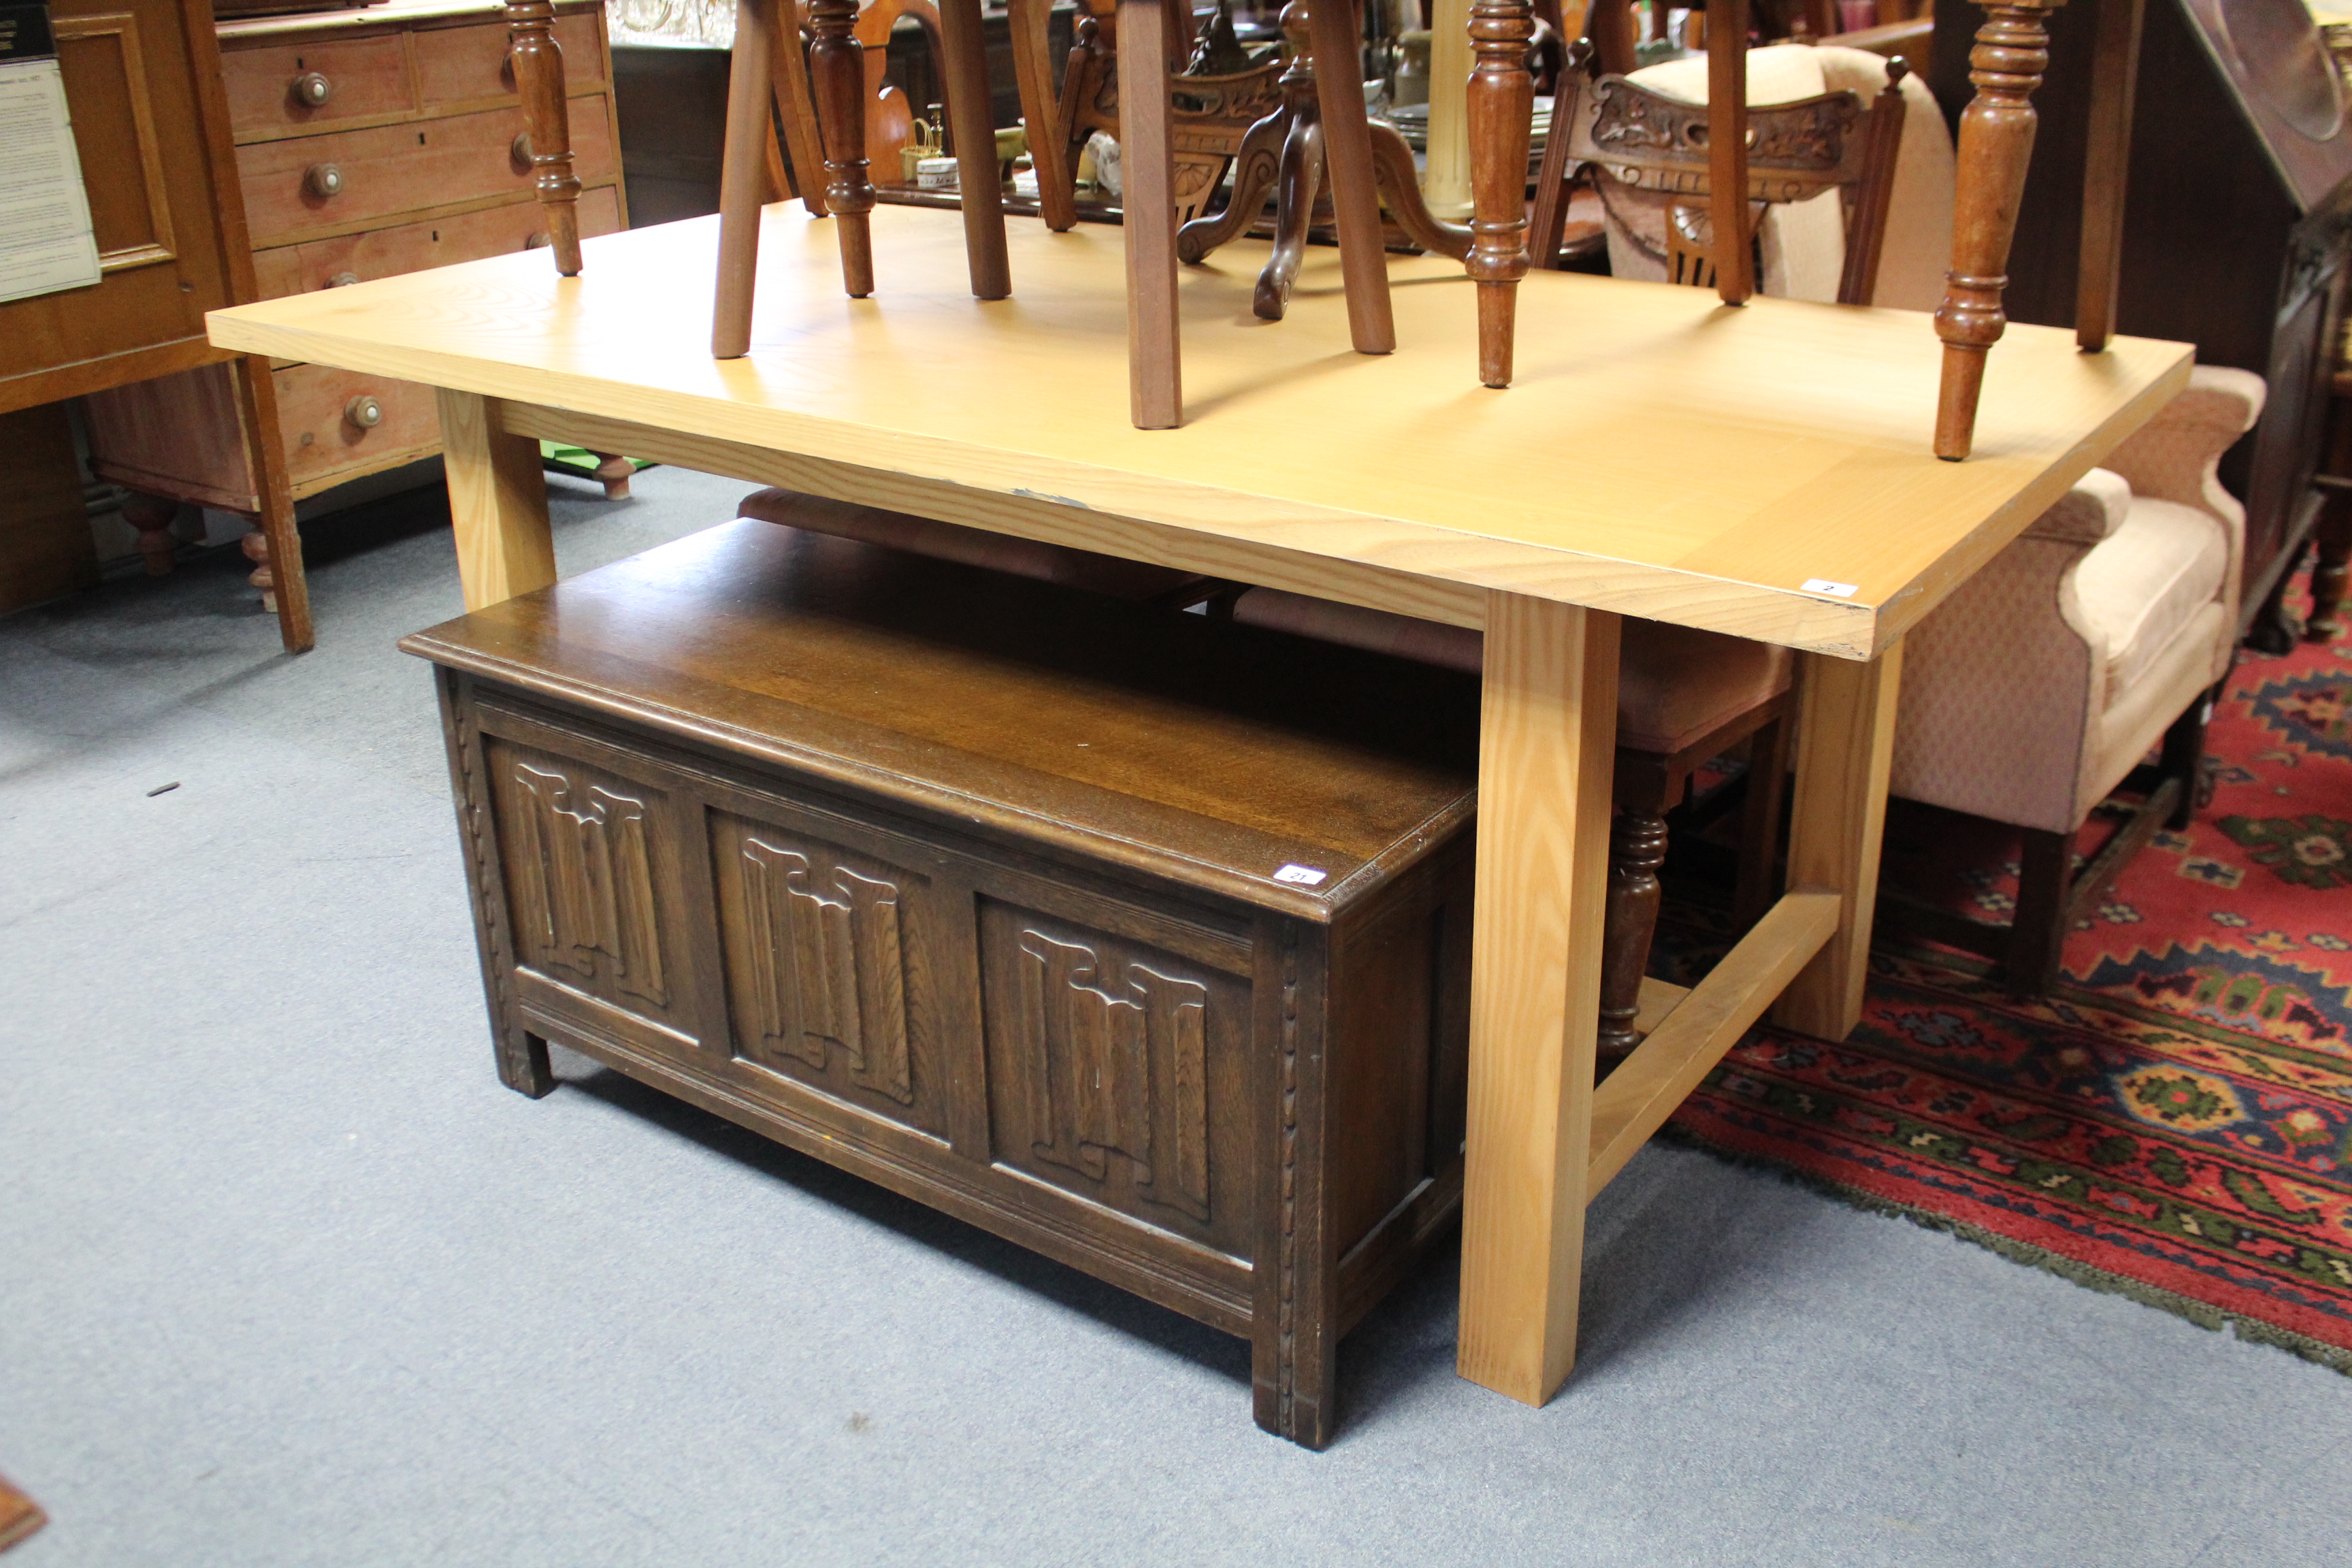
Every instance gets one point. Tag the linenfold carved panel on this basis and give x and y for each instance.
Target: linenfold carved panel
(828, 952)
(1116, 1071)
(828, 965)
(1121, 1069)
(584, 878)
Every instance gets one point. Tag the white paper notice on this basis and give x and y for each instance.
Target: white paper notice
(46, 243)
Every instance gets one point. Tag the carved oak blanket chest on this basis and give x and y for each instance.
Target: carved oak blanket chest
(1139, 939)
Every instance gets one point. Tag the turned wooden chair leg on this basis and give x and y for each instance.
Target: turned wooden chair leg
(547, 128)
(1501, 111)
(1996, 144)
(1637, 848)
(838, 73)
(1758, 888)
(750, 81)
(2037, 933)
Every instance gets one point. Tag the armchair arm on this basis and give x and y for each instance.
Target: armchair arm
(2173, 457)
(2084, 515)
(2001, 683)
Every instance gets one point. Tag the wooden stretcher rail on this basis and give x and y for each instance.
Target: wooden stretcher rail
(1635, 1101)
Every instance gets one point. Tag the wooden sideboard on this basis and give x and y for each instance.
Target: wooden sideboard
(369, 143)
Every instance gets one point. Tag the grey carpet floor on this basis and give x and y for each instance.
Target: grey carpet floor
(286, 1277)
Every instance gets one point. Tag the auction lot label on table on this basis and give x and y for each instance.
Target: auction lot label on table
(45, 241)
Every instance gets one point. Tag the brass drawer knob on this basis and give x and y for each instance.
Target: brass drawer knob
(521, 149)
(311, 90)
(342, 279)
(322, 180)
(364, 412)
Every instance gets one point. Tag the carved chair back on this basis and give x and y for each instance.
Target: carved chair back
(1635, 137)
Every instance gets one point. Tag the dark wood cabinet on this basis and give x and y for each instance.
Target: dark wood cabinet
(2237, 222)
(1141, 939)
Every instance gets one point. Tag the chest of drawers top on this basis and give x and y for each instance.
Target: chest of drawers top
(387, 65)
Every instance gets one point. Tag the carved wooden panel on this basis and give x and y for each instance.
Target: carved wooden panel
(828, 967)
(1114, 1070)
(589, 873)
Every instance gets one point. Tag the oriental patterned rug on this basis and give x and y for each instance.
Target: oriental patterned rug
(2175, 1122)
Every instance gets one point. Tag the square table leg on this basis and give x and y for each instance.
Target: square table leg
(1845, 745)
(1548, 739)
(497, 502)
(1147, 166)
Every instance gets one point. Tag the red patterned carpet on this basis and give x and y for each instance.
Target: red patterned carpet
(2176, 1122)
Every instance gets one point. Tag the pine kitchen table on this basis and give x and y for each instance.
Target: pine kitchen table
(1762, 471)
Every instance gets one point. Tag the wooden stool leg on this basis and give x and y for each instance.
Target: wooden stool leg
(547, 128)
(750, 81)
(1501, 111)
(1355, 188)
(964, 75)
(837, 72)
(1637, 848)
(1148, 169)
(1996, 144)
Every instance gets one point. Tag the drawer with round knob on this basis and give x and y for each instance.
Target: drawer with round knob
(331, 263)
(471, 65)
(348, 180)
(288, 88)
(334, 421)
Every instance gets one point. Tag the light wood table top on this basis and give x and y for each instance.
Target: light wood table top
(1659, 455)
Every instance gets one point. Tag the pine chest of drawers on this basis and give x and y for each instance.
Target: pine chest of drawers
(1138, 939)
(368, 144)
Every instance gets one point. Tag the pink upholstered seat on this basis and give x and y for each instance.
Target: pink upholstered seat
(1058, 564)
(1674, 686)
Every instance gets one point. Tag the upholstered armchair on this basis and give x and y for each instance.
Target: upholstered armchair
(2038, 688)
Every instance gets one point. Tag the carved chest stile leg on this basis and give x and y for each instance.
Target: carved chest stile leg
(1501, 114)
(539, 74)
(522, 1056)
(1996, 143)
